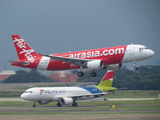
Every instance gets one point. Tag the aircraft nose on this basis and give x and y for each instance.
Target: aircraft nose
(151, 53)
(23, 96)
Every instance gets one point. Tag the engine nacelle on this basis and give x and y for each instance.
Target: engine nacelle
(66, 101)
(114, 66)
(95, 64)
(43, 102)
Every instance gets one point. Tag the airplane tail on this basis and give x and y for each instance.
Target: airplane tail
(106, 83)
(24, 51)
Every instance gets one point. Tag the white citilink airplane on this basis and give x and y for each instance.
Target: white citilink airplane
(110, 58)
(69, 95)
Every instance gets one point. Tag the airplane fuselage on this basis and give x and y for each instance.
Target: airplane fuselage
(111, 55)
(110, 58)
(56, 93)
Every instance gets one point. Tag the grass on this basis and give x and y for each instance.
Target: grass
(10, 94)
(51, 85)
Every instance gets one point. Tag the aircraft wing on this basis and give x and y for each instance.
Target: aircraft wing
(81, 95)
(73, 61)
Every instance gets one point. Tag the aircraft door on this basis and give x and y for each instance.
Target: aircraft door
(131, 50)
(40, 94)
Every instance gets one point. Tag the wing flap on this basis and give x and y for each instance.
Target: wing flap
(73, 61)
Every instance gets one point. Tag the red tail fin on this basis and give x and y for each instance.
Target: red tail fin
(109, 75)
(24, 51)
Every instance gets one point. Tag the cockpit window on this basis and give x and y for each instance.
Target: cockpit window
(143, 48)
(28, 92)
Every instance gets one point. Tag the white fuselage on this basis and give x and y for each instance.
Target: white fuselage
(136, 53)
(56, 93)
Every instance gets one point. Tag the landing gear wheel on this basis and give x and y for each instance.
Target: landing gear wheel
(135, 68)
(34, 105)
(80, 74)
(75, 104)
(93, 74)
(59, 105)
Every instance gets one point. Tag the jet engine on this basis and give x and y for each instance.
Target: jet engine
(114, 66)
(43, 102)
(66, 101)
(95, 64)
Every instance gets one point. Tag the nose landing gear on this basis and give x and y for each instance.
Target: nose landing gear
(34, 105)
(135, 68)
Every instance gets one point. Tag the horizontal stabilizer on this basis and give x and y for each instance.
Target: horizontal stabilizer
(111, 90)
(23, 63)
(122, 88)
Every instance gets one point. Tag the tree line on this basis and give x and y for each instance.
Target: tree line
(146, 78)
(32, 76)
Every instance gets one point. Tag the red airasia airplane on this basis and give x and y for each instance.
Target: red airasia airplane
(104, 58)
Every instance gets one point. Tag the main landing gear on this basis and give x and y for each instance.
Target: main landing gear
(81, 74)
(59, 104)
(75, 104)
(135, 68)
(93, 74)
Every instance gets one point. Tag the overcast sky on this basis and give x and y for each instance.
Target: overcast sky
(57, 26)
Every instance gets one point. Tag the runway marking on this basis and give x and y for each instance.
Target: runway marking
(37, 118)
